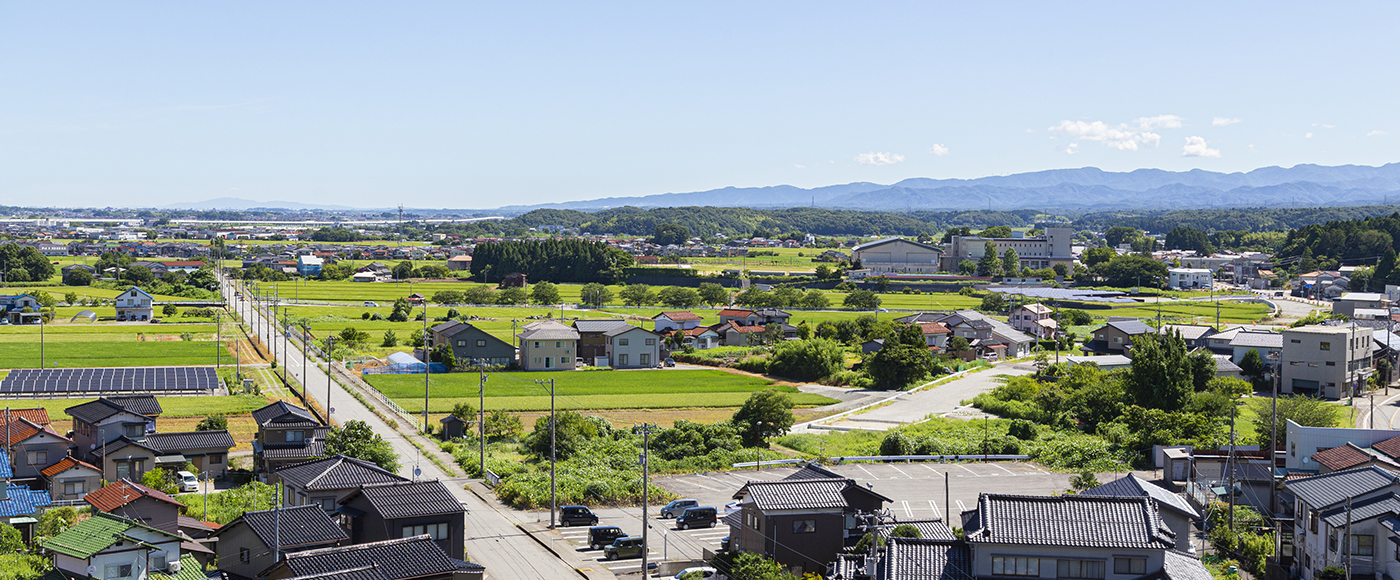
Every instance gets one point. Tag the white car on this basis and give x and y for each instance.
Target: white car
(188, 481)
(371, 305)
(706, 572)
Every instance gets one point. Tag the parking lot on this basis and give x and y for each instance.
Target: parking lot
(916, 488)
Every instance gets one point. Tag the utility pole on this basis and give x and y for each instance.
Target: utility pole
(1230, 464)
(427, 359)
(330, 347)
(646, 441)
(1346, 543)
(481, 416)
(305, 346)
(219, 340)
(553, 492)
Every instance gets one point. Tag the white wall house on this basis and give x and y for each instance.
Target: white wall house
(1186, 278)
(632, 347)
(135, 304)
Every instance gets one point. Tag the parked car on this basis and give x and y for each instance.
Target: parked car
(697, 517)
(628, 547)
(705, 572)
(731, 507)
(601, 536)
(676, 507)
(188, 481)
(670, 362)
(577, 515)
(369, 304)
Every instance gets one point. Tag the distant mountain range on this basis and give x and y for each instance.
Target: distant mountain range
(235, 203)
(1066, 189)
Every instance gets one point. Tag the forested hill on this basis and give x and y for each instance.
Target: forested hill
(732, 221)
(1255, 219)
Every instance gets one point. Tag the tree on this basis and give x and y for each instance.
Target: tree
(993, 302)
(1010, 262)
(595, 294)
(1159, 377)
(169, 310)
(390, 339)
(464, 411)
(571, 432)
(352, 337)
(1075, 317)
(1187, 238)
(502, 425)
(78, 277)
(1301, 409)
(1085, 481)
(989, 265)
(823, 271)
(903, 359)
(54, 521)
(670, 234)
(215, 422)
(514, 295)
(882, 283)
(1134, 270)
(448, 297)
(482, 294)
(967, 267)
(11, 541)
(442, 353)
(996, 232)
(637, 295)
(139, 275)
(958, 344)
(679, 296)
(1099, 255)
(1252, 367)
(765, 414)
(403, 270)
(1117, 235)
(25, 264)
(401, 310)
(161, 479)
(544, 293)
(861, 300)
(713, 294)
(905, 531)
(356, 439)
(70, 298)
(815, 299)
(806, 360)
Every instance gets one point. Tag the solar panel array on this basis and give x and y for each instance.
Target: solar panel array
(189, 380)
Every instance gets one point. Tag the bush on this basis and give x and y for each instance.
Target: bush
(753, 364)
(807, 360)
(1023, 430)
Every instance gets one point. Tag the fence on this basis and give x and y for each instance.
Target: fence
(405, 369)
(492, 479)
(888, 458)
(415, 420)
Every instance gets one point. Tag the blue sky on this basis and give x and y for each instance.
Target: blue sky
(476, 105)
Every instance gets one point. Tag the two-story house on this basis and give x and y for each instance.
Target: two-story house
(1175, 511)
(1325, 361)
(935, 334)
(985, 335)
(124, 458)
(131, 500)
(107, 418)
(1034, 319)
(112, 547)
(1267, 344)
(673, 320)
(207, 450)
(406, 509)
(412, 558)
(1367, 500)
(632, 347)
(134, 304)
(20, 308)
(547, 345)
(707, 337)
(327, 481)
(592, 343)
(1116, 337)
(71, 479)
(246, 544)
(34, 447)
(802, 522)
(471, 345)
(287, 434)
(1194, 335)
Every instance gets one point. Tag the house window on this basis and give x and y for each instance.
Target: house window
(558, 344)
(646, 359)
(39, 458)
(134, 430)
(73, 488)
(461, 343)
(437, 531)
(158, 562)
(481, 344)
(1295, 341)
(622, 342)
(244, 555)
(1363, 545)
(1117, 340)
(216, 459)
(537, 344)
(1086, 569)
(296, 436)
(622, 359)
(1331, 363)
(1325, 346)
(1332, 540)
(651, 342)
(1012, 566)
(1129, 565)
(804, 526)
(1312, 520)
(327, 503)
(117, 571)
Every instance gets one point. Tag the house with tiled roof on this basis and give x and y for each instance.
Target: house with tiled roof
(71, 479)
(801, 523)
(547, 345)
(1116, 336)
(935, 334)
(1175, 511)
(286, 434)
(102, 420)
(19, 504)
(1325, 505)
(672, 320)
(592, 343)
(34, 446)
(632, 347)
(702, 337)
(1194, 335)
(207, 450)
(400, 510)
(245, 545)
(1034, 319)
(110, 546)
(327, 481)
(1349, 456)
(132, 500)
(471, 345)
(411, 558)
(909, 559)
(36, 415)
(124, 458)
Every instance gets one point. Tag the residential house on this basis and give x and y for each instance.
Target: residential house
(935, 334)
(1052, 247)
(1348, 303)
(1105, 362)
(287, 434)
(413, 558)
(308, 266)
(246, 544)
(404, 510)
(592, 344)
(207, 450)
(105, 419)
(40, 415)
(1116, 337)
(702, 337)
(1349, 456)
(34, 447)
(1326, 361)
(137, 502)
(987, 336)
(513, 280)
(1034, 319)
(1219, 342)
(134, 304)
(325, 482)
(548, 345)
(69, 269)
(633, 347)
(1188, 278)
(898, 256)
(1194, 335)
(459, 263)
(18, 503)
(802, 522)
(471, 345)
(20, 308)
(112, 547)
(1304, 443)
(123, 458)
(736, 334)
(1267, 344)
(909, 559)
(1325, 506)
(673, 320)
(1074, 536)
(760, 317)
(1177, 513)
(71, 479)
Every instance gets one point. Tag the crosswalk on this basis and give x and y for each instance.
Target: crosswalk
(667, 540)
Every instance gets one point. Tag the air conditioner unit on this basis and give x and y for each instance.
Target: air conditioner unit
(175, 567)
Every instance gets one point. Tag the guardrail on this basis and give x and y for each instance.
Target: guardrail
(415, 420)
(771, 462)
(492, 479)
(888, 458)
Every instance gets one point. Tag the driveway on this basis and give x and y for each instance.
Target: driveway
(944, 400)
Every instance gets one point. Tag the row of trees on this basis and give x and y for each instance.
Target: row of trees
(556, 260)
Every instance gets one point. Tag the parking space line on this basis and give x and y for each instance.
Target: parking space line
(974, 473)
(901, 472)
(907, 510)
(934, 507)
(867, 472)
(1008, 471)
(961, 507)
(930, 468)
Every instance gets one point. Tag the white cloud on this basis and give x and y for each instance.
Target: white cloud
(234, 189)
(1251, 147)
(1122, 137)
(1030, 130)
(939, 150)
(799, 165)
(1196, 147)
(1159, 122)
(879, 158)
(1071, 149)
(1324, 125)
(1308, 135)
(1376, 133)
(1223, 121)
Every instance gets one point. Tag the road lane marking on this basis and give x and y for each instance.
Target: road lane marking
(961, 507)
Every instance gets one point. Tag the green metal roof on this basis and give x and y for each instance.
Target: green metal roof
(190, 569)
(96, 534)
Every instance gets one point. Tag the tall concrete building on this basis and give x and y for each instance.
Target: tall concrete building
(1043, 251)
(1325, 360)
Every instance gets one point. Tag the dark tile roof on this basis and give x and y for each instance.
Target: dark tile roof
(338, 472)
(796, 494)
(919, 559)
(283, 413)
(306, 525)
(1387, 504)
(119, 444)
(1132, 327)
(1187, 331)
(598, 326)
(1342, 457)
(172, 442)
(395, 559)
(1325, 490)
(367, 572)
(123, 492)
(411, 499)
(618, 330)
(933, 529)
(1072, 521)
(311, 448)
(140, 404)
(92, 412)
(1180, 566)
(814, 471)
(1132, 486)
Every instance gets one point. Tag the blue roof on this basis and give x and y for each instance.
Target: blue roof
(5, 471)
(22, 501)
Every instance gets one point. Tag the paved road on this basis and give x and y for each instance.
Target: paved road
(492, 540)
(944, 400)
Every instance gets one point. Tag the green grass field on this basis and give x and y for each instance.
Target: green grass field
(89, 332)
(108, 354)
(584, 390)
(171, 406)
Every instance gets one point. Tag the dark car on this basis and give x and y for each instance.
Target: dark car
(677, 507)
(629, 547)
(696, 517)
(600, 536)
(577, 515)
